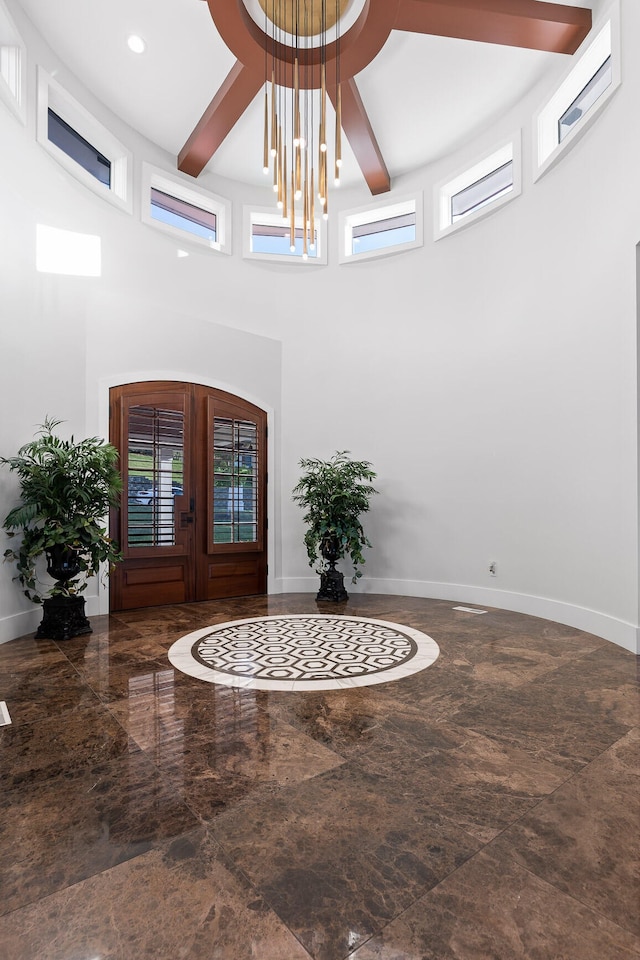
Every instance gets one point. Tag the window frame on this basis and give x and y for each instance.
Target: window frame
(374, 212)
(173, 185)
(508, 150)
(602, 42)
(267, 216)
(13, 66)
(51, 95)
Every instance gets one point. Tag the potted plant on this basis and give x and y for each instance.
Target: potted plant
(335, 493)
(66, 488)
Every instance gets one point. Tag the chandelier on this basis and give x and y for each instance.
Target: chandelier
(301, 62)
(303, 51)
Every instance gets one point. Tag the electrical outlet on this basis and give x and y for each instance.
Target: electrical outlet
(493, 569)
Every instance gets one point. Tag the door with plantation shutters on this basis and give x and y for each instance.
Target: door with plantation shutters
(192, 518)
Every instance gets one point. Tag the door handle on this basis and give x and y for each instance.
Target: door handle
(185, 518)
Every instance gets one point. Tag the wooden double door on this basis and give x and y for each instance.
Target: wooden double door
(192, 517)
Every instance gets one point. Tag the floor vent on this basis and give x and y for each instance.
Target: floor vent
(4, 714)
(469, 610)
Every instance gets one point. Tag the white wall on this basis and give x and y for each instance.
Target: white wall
(490, 377)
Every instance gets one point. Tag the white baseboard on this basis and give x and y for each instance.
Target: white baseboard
(603, 625)
(20, 624)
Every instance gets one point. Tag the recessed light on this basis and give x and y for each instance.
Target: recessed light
(136, 43)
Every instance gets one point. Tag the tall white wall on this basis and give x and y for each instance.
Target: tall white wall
(490, 377)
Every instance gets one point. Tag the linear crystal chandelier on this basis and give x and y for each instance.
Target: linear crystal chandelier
(296, 142)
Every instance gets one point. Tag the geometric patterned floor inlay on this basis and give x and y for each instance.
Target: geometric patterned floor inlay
(304, 652)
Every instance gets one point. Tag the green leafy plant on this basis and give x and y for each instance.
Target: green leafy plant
(334, 494)
(66, 487)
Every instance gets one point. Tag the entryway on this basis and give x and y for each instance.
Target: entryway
(192, 518)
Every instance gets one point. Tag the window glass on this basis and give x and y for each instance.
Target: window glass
(155, 475)
(388, 232)
(235, 481)
(275, 239)
(75, 146)
(382, 230)
(183, 215)
(585, 99)
(482, 191)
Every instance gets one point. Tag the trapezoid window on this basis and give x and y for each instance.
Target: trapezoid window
(13, 60)
(381, 230)
(581, 95)
(270, 236)
(81, 144)
(179, 209)
(479, 189)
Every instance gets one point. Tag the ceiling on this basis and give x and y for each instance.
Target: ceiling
(424, 95)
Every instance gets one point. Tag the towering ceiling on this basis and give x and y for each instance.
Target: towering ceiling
(419, 76)
(519, 23)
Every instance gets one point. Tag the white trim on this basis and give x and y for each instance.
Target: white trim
(591, 55)
(52, 95)
(620, 632)
(443, 191)
(182, 189)
(270, 217)
(20, 624)
(13, 66)
(373, 212)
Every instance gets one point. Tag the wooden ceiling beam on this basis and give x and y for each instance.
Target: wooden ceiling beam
(359, 133)
(520, 23)
(515, 23)
(232, 99)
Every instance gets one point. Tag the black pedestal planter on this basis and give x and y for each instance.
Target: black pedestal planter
(332, 586)
(63, 618)
(331, 580)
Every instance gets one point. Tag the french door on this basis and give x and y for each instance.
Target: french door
(192, 517)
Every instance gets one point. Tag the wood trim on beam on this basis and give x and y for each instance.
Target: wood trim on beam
(361, 137)
(516, 23)
(358, 46)
(234, 96)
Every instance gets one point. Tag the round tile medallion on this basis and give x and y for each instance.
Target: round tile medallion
(303, 652)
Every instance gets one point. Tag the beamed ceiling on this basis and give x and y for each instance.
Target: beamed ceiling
(418, 76)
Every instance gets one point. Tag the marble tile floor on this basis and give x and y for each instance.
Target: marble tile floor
(487, 808)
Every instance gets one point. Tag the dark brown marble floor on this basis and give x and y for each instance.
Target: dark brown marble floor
(487, 808)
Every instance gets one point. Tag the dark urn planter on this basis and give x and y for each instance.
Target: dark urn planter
(63, 617)
(331, 580)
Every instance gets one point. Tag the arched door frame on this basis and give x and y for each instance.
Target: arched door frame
(102, 430)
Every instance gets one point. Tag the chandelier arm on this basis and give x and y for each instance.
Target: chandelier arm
(553, 27)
